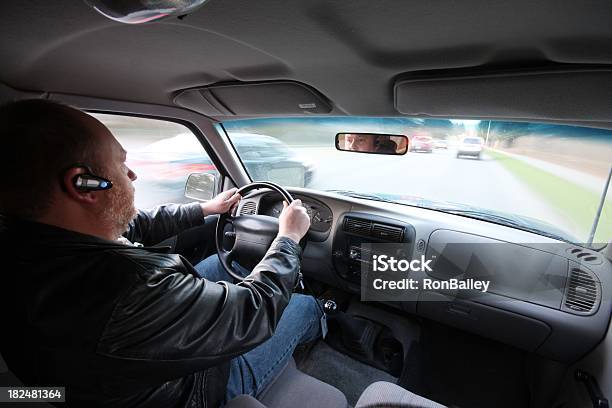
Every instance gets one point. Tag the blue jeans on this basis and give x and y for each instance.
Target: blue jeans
(252, 371)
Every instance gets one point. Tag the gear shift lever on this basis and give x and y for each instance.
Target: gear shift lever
(330, 307)
(357, 334)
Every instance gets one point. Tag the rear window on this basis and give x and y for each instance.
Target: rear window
(471, 141)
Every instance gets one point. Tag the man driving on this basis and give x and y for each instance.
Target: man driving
(118, 324)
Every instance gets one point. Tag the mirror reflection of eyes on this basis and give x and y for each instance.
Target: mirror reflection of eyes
(354, 139)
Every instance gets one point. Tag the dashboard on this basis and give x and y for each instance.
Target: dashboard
(555, 294)
(320, 214)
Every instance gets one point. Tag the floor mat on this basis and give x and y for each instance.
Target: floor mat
(348, 375)
(460, 369)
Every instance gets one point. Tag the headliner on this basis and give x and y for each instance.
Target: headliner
(351, 51)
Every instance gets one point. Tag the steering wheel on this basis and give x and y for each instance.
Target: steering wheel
(249, 236)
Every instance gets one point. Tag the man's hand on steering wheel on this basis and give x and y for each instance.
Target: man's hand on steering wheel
(294, 221)
(248, 237)
(224, 202)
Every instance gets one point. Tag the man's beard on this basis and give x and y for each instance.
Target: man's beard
(119, 210)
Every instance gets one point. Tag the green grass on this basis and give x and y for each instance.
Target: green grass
(573, 201)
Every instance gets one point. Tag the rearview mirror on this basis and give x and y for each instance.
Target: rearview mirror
(201, 186)
(372, 143)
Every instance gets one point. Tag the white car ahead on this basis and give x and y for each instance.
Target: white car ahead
(470, 146)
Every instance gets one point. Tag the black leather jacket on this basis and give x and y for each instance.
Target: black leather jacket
(122, 326)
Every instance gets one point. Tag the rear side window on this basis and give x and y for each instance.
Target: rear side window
(163, 154)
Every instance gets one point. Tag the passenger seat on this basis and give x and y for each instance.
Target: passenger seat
(383, 394)
(293, 388)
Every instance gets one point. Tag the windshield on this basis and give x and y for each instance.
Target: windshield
(539, 177)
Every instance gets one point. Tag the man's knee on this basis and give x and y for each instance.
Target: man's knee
(303, 315)
(314, 310)
(306, 305)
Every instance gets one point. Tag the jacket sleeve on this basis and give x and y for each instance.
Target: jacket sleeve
(153, 226)
(184, 323)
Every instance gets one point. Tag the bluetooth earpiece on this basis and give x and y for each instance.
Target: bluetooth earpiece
(89, 182)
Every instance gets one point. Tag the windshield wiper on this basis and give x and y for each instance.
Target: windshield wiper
(509, 222)
(366, 196)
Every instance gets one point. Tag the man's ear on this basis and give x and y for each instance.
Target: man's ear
(69, 187)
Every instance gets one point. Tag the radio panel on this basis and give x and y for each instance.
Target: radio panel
(355, 229)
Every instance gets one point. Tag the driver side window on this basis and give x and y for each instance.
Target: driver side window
(163, 154)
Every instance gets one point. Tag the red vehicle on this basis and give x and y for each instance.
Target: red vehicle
(421, 144)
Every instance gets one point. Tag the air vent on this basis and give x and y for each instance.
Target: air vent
(388, 233)
(366, 228)
(357, 226)
(249, 208)
(585, 256)
(583, 292)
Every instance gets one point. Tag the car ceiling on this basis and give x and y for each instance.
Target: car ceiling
(350, 51)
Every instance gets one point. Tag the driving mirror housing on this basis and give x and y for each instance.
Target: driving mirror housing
(201, 186)
(376, 143)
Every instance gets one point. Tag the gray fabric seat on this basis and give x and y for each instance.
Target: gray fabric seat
(244, 401)
(293, 388)
(383, 394)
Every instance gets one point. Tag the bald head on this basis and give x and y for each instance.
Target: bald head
(40, 139)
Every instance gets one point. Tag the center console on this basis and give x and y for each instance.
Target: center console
(355, 229)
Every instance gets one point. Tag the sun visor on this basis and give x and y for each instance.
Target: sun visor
(254, 98)
(581, 95)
